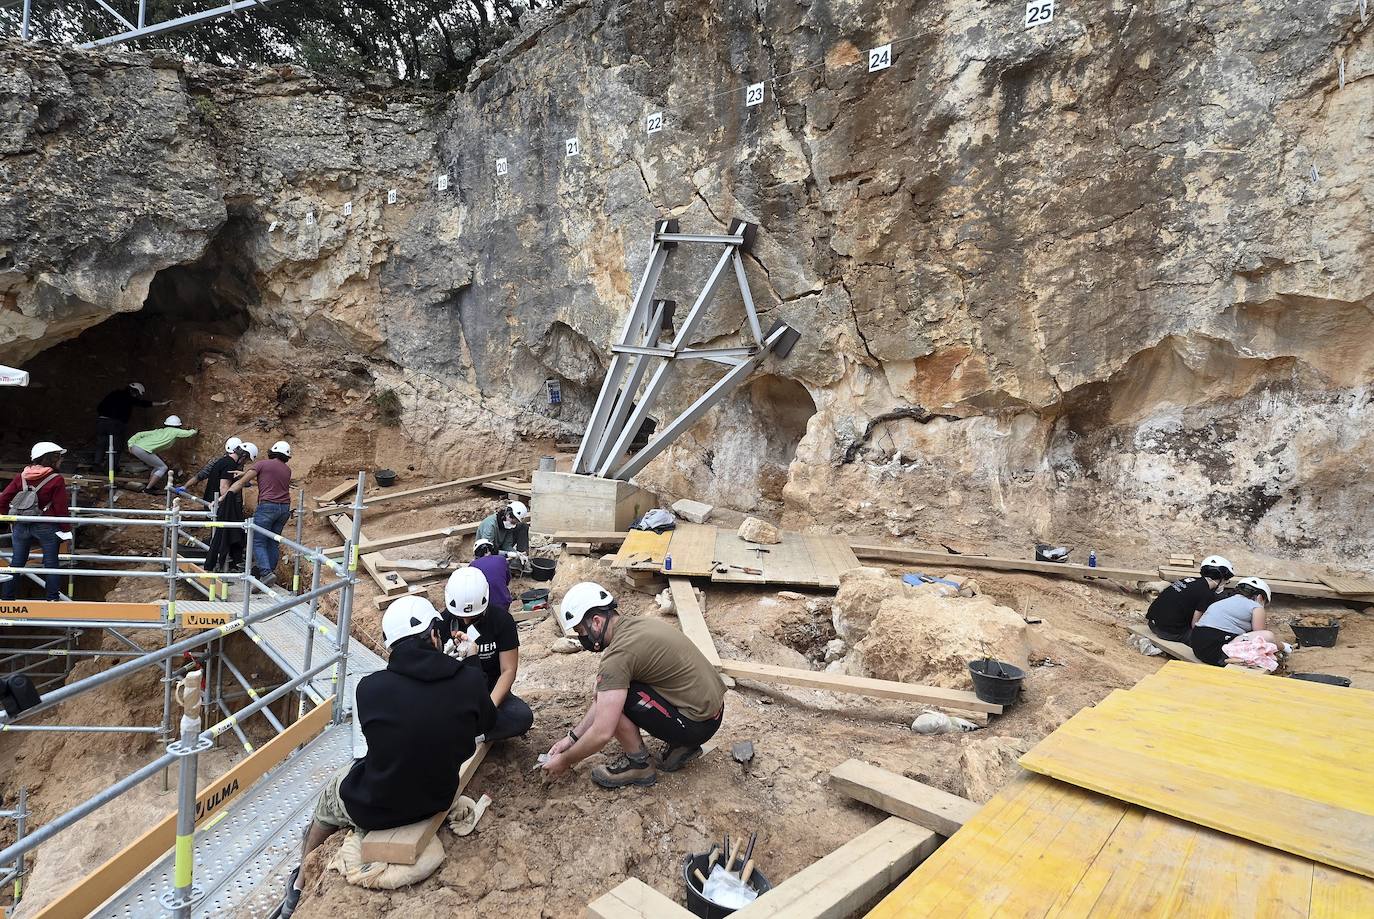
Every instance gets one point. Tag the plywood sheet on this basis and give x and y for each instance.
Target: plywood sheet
(1269, 760)
(693, 548)
(1046, 848)
(1347, 583)
(643, 549)
(787, 562)
(831, 556)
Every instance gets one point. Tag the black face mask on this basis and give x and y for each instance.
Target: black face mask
(594, 642)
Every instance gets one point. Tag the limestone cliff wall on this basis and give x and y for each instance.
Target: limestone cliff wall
(1106, 281)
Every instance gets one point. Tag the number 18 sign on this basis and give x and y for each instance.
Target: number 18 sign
(1039, 12)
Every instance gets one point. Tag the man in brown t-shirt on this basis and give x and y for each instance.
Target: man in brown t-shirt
(651, 677)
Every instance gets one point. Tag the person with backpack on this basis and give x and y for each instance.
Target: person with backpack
(38, 491)
(146, 445)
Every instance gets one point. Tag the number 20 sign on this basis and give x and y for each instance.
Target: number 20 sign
(1039, 12)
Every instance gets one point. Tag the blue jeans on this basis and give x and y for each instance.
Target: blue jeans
(269, 516)
(25, 534)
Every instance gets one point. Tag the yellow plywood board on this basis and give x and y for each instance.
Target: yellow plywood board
(693, 548)
(1046, 848)
(1274, 761)
(643, 549)
(17, 610)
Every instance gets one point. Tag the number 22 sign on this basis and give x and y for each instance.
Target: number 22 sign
(1039, 12)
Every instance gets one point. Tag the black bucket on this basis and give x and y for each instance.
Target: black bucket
(1321, 636)
(1329, 678)
(385, 477)
(995, 681)
(537, 598)
(541, 569)
(699, 905)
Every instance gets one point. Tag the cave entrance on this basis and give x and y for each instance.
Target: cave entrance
(191, 310)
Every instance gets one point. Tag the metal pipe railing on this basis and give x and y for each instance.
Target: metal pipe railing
(346, 601)
(243, 681)
(336, 567)
(86, 728)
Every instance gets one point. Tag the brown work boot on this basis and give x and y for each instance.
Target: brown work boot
(624, 770)
(674, 758)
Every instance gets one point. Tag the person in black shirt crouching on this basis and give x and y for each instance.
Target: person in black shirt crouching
(1171, 614)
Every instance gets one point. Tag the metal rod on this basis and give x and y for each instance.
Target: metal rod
(144, 512)
(172, 25)
(62, 652)
(735, 239)
(85, 728)
(191, 697)
(242, 681)
(300, 538)
(623, 404)
(346, 600)
(243, 738)
(310, 630)
(111, 468)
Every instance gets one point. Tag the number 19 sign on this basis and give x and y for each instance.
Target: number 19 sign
(1039, 12)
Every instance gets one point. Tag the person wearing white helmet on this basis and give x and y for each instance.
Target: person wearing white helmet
(508, 531)
(38, 491)
(651, 677)
(273, 510)
(112, 420)
(480, 625)
(1171, 615)
(227, 543)
(417, 723)
(1242, 613)
(146, 445)
(213, 472)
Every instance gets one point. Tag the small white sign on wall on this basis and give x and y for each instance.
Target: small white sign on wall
(1039, 12)
(753, 95)
(653, 123)
(348, 208)
(443, 183)
(880, 58)
(572, 147)
(501, 167)
(391, 196)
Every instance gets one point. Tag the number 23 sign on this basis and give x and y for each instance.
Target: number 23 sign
(1039, 12)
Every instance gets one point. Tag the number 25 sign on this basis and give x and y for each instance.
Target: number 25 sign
(1039, 12)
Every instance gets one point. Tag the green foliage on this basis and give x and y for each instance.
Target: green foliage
(388, 406)
(436, 40)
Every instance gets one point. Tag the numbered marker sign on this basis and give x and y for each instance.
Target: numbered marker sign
(753, 95)
(310, 218)
(443, 183)
(571, 147)
(1039, 12)
(391, 196)
(653, 123)
(501, 167)
(272, 227)
(348, 208)
(879, 58)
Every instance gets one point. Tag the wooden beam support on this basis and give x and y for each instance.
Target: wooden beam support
(918, 803)
(336, 492)
(633, 899)
(404, 539)
(80, 609)
(388, 582)
(104, 882)
(691, 620)
(850, 878)
(403, 845)
(863, 686)
(387, 497)
(944, 559)
(506, 486)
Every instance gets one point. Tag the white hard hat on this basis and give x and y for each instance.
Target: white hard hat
(481, 544)
(1221, 564)
(1257, 584)
(281, 447)
(467, 593)
(232, 444)
(43, 448)
(138, 388)
(581, 599)
(520, 511)
(173, 421)
(405, 617)
(251, 449)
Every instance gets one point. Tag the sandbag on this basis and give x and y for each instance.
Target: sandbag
(380, 875)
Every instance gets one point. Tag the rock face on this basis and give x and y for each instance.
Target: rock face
(1107, 281)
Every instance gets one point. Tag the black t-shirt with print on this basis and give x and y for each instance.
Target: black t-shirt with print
(496, 632)
(1173, 609)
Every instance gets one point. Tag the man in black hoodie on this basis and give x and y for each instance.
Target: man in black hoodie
(420, 718)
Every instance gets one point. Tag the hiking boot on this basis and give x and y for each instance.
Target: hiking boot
(623, 770)
(293, 896)
(674, 758)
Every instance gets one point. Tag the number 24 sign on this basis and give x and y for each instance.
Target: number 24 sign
(1039, 12)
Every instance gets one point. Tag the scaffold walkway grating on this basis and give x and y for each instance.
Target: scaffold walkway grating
(242, 861)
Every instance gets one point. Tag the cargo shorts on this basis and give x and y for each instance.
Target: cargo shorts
(330, 809)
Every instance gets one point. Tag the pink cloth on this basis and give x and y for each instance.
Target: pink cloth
(1253, 651)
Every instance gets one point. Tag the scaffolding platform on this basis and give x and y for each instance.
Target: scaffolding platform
(243, 860)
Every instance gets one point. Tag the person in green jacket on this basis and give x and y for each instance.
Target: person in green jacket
(145, 446)
(508, 531)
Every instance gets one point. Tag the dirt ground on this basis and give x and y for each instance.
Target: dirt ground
(545, 850)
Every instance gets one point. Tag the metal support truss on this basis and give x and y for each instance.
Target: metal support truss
(620, 408)
(140, 27)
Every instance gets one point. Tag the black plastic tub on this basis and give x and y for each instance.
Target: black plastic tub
(996, 681)
(542, 569)
(699, 905)
(385, 477)
(1321, 636)
(1329, 678)
(537, 598)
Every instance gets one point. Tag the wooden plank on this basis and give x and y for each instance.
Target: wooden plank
(643, 549)
(336, 492)
(849, 878)
(633, 899)
(1339, 894)
(863, 686)
(691, 620)
(901, 797)
(1175, 649)
(945, 560)
(731, 550)
(16, 610)
(693, 548)
(415, 564)
(598, 537)
(1346, 583)
(388, 582)
(104, 882)
(832, 556)
(385, 600)
(404, 539)
(1280, 586)
(508, 487)
(386, 497)
(403, 845)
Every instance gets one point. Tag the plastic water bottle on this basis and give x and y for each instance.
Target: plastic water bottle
(1092, 559)
(667, 563)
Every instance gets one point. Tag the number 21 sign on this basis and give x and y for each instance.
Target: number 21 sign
(1039, 12)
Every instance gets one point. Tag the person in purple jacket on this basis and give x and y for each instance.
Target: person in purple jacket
(477, 617)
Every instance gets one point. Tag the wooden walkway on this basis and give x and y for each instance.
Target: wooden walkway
(800, 560)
